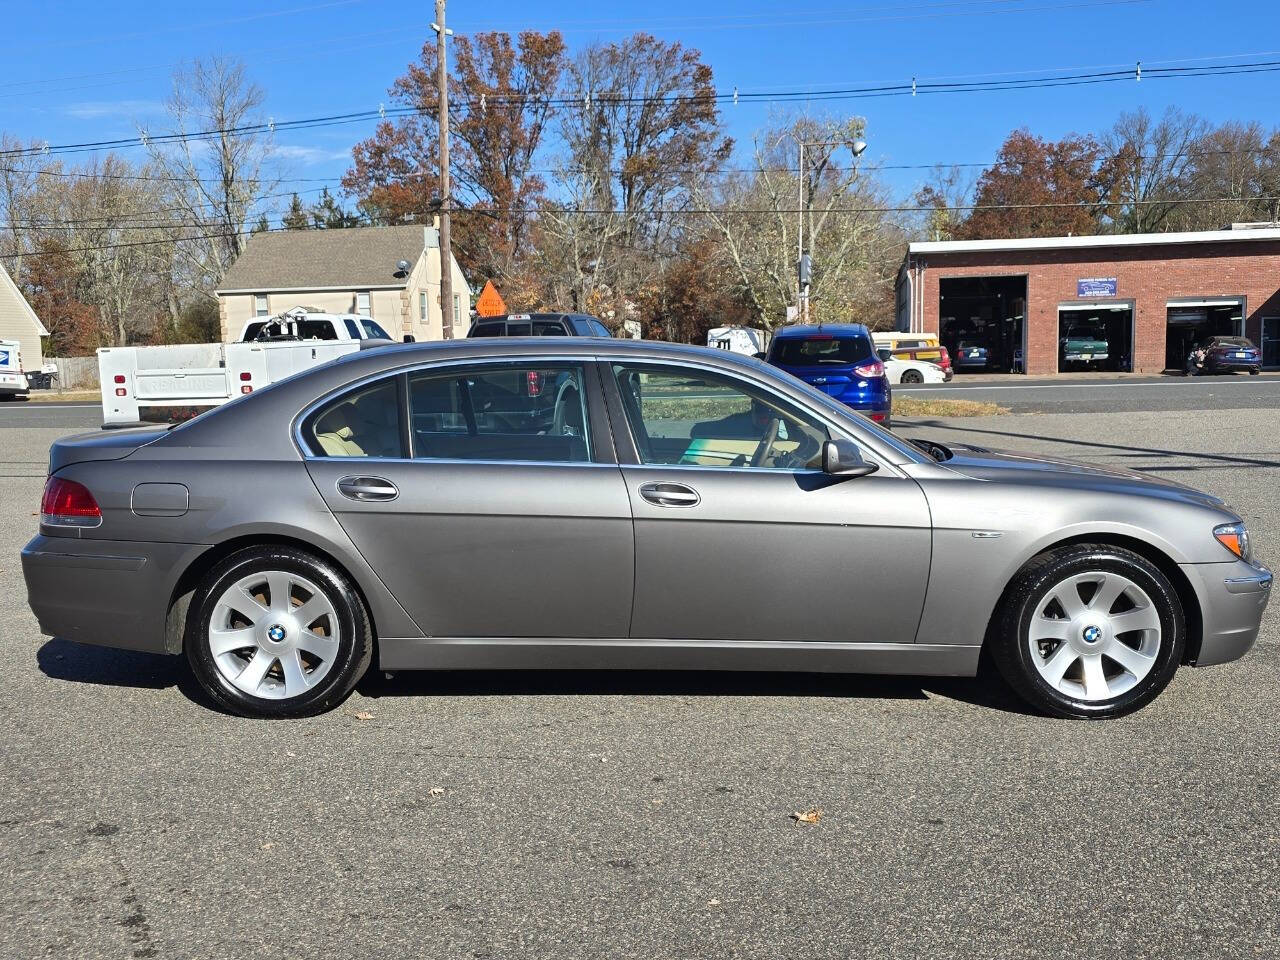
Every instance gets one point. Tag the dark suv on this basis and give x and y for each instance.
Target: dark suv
(539, 325)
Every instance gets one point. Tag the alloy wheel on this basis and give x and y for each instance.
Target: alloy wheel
(274, 635)
(1095, 636)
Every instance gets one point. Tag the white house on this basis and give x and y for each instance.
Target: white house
(19, 322)
(353, 270)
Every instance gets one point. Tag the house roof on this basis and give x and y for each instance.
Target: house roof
(1113, 240)
(348, 259)
(7, 285)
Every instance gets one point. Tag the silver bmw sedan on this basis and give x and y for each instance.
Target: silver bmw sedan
(576, 503)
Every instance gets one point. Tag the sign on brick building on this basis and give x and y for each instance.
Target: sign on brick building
(1096, 287)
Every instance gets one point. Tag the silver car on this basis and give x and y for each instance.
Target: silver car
(576, 503)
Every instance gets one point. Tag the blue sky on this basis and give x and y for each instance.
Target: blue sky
(78, 71)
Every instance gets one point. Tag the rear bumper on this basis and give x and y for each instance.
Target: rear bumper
(1233, 597)
(113, 593)
(1234, 365)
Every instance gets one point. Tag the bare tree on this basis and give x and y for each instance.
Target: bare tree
(20, 167)
(217, 170)
(854, 247)
(1145, 164)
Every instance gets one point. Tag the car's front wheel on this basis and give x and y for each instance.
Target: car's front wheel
(277, 632)
(1089, 631)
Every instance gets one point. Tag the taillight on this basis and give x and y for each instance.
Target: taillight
(118, 378)
(535, 383)
(877, 417)
(245, 375)
(68, 504)
(873, 369)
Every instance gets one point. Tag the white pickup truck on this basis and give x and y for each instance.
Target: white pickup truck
(13, 381)
(184, 376)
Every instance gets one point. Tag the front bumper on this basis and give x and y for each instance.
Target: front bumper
(1233, 597)
(113, 593)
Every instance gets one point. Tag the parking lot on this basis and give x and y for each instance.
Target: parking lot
(650, 815)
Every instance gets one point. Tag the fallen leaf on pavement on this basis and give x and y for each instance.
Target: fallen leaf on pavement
(364, 715)
(268, 845)
(713, 903)
(437, 791)
(812, 815)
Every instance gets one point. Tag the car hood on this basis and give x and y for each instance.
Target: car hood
(980, 463)
(101, 445)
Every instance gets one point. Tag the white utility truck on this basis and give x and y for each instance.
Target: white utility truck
(13, 380)
(745, 340)
(180, 377)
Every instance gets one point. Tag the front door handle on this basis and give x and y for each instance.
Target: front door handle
(664, 494)
(367, 488)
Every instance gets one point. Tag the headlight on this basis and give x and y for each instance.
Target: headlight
(1235, 538)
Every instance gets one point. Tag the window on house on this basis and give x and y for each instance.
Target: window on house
(422, 306)
(457, 300)
(362, 304)
(259, 304)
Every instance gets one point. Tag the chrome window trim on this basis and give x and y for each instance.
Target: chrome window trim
(867, 444)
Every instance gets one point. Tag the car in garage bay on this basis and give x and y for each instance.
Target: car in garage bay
(1230, 354)
(575, 503)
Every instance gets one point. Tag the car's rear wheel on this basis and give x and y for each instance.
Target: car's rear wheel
(912, 376)
(277, 632)
(1089, 631)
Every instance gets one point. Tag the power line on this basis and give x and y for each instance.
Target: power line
(593, 100)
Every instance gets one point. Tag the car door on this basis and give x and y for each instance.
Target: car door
(485, 496)
(740, 536)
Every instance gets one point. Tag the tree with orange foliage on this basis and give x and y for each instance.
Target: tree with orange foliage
(499, 94)
(1039, 188)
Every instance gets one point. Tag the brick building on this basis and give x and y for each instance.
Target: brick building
(1008, 305)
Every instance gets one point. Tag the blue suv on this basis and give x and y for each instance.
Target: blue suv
(838, 359)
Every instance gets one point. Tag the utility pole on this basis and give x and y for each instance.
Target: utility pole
(446, 251)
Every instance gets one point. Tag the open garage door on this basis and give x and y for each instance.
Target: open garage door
(982, 322)
(1191, 321)
(1095, 336)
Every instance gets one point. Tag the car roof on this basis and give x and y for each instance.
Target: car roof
(822, 329)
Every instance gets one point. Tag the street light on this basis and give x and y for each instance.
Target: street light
(803, 269)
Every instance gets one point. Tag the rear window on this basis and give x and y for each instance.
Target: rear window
(307, 330)
(489, 329)
(1240, 342)
(814, 351)
(548, 328)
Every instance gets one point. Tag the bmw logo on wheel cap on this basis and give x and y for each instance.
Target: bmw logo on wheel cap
(1091, 634)
(275, 632)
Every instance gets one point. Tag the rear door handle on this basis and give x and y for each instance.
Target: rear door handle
(663, 494)
(367, 488)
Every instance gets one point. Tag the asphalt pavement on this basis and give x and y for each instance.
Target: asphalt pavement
(1096, 394)
(648, 815)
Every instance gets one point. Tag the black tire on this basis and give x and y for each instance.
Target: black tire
(912, 376)
(355, 641)
(1010, 647)
(1254, 373)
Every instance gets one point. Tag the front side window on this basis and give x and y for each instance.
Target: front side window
(530, 411)
(362, 304)
(364, 423)
(259, 304)
(693, 418)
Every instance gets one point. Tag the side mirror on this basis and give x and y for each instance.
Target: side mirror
(410, 338)
(842, 458)
(884, 353)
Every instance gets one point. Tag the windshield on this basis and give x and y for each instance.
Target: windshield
(820, 350)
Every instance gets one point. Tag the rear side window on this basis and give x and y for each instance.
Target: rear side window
(548, 328)
(820, 350)
(353, 331)
(363, 423)
(532, 412)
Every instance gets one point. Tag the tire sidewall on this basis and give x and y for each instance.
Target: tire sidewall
(1094, 560)
(353, 643)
